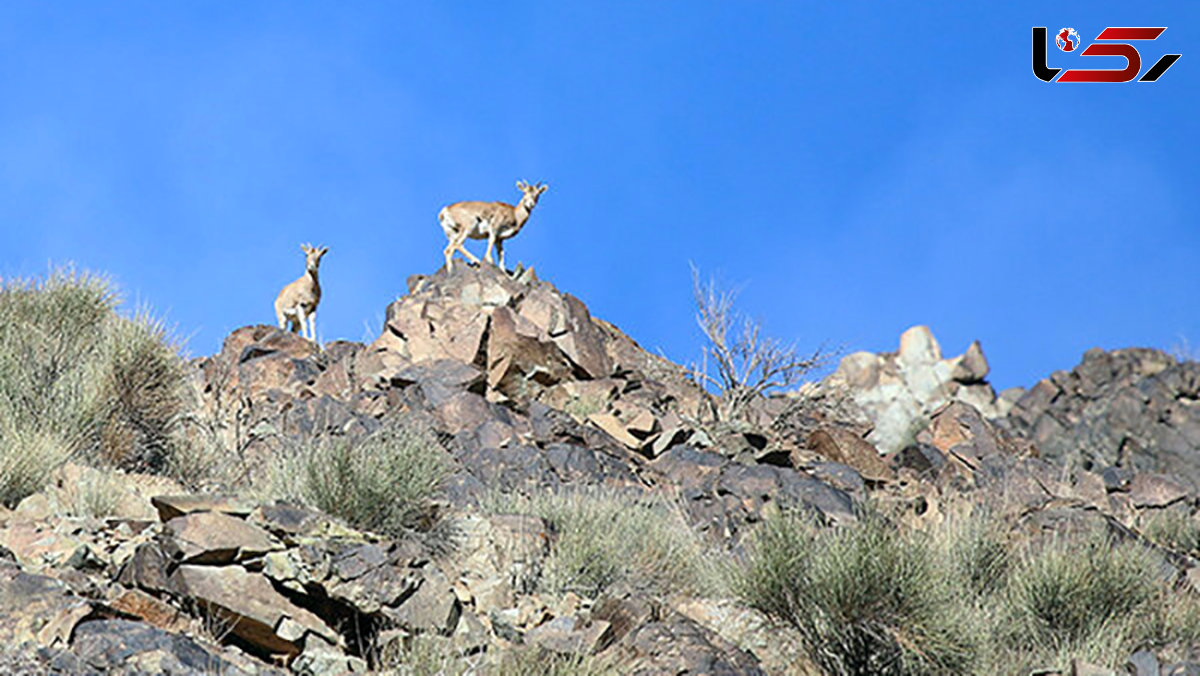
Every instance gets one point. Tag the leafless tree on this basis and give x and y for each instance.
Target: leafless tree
(748, 364)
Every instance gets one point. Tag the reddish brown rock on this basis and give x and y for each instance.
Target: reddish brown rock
(171, 506)
(842, 445)
(518, 359)
(139, 604)
(582, 341)
(1155, 490)
(959, 428)
(215, 538)
(256, 612)
(615, 428)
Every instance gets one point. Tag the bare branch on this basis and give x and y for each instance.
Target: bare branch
(748, 365)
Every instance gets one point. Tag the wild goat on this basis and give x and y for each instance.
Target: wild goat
(298, 300)
(494, 221)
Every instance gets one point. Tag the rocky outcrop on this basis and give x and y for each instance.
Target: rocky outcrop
(524, 392)
(898, 391)
(1134, 408)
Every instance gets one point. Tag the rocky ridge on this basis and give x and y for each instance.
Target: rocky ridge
(526, 393)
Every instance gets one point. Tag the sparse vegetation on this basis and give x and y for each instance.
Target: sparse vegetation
(582, 407)
(864, 599)
(535, 662)
(423, 655)
(976, 550)
(78, 379)
(1096, 598)
(871, 599)
(603, 537)
(747, 363)
(96, 494)
(382, 482)
(1173, 529)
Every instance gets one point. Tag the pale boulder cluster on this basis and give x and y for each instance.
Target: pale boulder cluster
(899, 391)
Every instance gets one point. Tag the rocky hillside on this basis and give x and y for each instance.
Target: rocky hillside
(524, 398)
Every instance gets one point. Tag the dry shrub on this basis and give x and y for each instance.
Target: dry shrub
(80, 380)
(382, 482)
(605, 537)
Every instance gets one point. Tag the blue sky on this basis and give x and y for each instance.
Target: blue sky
(856, 167)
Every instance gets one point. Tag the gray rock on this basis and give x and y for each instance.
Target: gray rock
(972, 367)
(1155, 490)
(1142, 663)
(1136, 408)
(678, 645)
(431, 608)
(125, 647)
(37, 609)
(568, 635)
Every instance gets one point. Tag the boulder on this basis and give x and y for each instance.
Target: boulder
(256, 613)
(431, 608)
(1155, 490)
(960, 429)
(215, 538)
(37, 609)
(569, 635)
(899, 391)
(842, 445)
(520, 362)
(722, 497)
(972, 367)
(367, 578)
(678, 645)
(122, 646)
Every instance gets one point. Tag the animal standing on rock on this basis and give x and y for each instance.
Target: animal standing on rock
(299, 299)
(494, 221)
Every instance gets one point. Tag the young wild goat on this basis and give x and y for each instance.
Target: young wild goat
(494, 221)
(299, 299)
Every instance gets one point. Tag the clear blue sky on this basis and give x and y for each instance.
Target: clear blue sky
(858, 167)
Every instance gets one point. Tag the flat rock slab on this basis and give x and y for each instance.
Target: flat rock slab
(290, 521)
(678, 645)
(124, 646)
(1155, 490)
(149, 609)
(258, 614)
(215, 538)
(568, 635)
(433, 607)
(171, 506)
(37, 609)
(844, 446)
